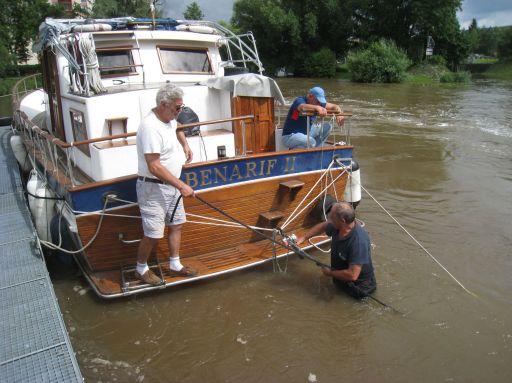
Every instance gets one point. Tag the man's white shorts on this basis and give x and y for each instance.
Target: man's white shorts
(157, 204)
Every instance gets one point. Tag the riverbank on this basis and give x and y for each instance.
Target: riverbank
(500, 71)
(427, 74)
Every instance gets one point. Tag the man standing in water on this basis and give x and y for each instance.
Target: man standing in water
(159, 188)
(351, 260)
(295, 134)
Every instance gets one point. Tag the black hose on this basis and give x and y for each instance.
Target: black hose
(175, 207)
(40, 197)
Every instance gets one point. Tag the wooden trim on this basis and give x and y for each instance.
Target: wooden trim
(92, 185)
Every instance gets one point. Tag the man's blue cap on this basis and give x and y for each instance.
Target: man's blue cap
(319, 95)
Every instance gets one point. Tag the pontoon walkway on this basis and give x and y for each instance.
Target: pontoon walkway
(34, 344)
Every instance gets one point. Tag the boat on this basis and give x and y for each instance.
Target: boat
(75, 137)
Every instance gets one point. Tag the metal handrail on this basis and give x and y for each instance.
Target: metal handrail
(249, 54)
(23, 81)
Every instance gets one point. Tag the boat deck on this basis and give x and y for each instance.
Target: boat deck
(35, 345)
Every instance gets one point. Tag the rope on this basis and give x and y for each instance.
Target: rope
(417, 242)
(291, 216)
(290, 219)
(91, 60)
(52, 246)
(275, 262)
(224, 223)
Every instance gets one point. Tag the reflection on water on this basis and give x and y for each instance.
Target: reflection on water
(439, 159)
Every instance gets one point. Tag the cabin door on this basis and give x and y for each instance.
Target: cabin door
(52, 87)
(259, 134)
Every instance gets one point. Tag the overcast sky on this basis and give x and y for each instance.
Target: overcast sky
(488, 13)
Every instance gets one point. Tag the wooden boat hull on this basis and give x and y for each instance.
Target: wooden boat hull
(211, 243)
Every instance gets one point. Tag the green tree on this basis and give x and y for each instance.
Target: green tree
(289, 31)
(19, 23)
(473, 36)
(408, 23)
(319, 64)
(505, 44)
(489, 39)
(382, 61)
(193, 12)
(277, 31)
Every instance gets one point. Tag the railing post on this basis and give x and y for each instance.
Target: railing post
(244, 148)
(308, 122)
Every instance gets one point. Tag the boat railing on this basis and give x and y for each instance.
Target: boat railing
(25, 85)
(57, 154)
(338, 132)
(244, 44)
(343, 129)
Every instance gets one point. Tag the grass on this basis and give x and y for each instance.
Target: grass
(419, 79)
(485, 60)
(500, 71)
(7, 83)
(342, 72)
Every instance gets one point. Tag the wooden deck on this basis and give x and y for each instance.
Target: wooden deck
(122, 281)
(212, 249)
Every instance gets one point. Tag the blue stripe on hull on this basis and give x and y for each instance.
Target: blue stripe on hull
(228, 172)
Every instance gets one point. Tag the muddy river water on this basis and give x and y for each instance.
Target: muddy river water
(439, 159)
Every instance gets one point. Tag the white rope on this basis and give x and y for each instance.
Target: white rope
(88, 51)
(291, 216)
(417, 242)
(223, 222)
(318, 247)
(51, 245)
(312, 201)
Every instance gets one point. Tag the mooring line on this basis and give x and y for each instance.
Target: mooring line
(418, 243)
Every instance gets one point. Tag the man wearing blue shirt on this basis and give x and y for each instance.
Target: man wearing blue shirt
(295, 127)
(351, 255)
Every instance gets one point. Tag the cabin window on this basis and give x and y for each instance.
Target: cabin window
(184, 60)
(116, 62)
(79, 130)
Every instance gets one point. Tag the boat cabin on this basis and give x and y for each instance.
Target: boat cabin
(103, 78)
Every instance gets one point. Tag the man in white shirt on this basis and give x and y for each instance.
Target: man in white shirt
(159, 188)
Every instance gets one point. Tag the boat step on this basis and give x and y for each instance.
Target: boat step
(130, 282)
(292, 184)
(272, 216)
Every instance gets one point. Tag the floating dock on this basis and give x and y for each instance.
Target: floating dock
(35, 345)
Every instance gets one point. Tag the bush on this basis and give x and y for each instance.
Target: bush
(319, 64)
(460, 77)
(437, 60)
(382, 61)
